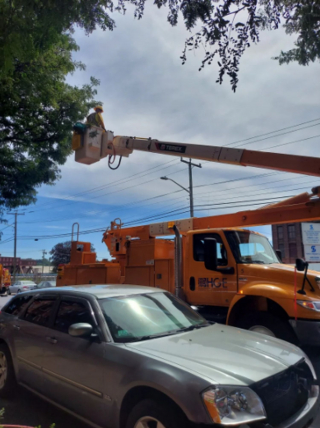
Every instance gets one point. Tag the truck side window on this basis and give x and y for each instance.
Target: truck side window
(198, 248)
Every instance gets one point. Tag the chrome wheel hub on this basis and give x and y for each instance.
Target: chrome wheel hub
(262, 329)
(3, 370)
(148, 422)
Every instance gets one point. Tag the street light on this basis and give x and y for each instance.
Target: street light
(190, 190)
(166, 178)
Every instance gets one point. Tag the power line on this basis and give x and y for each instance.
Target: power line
(273, 132)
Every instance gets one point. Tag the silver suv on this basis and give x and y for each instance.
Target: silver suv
(136, 357)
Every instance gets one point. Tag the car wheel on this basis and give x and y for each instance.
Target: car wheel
(151, 414)
(9, 292)
(7, 376)
(268, 324)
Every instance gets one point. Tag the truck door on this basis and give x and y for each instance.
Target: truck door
(206, 287)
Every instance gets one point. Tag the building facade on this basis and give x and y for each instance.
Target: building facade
(288, 239)
(23, 265)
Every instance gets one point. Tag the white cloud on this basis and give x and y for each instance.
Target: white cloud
(147, 92)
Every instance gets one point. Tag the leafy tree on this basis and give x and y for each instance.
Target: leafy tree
(37, 112)
(229, 26)
(38, 108)
(60, 254)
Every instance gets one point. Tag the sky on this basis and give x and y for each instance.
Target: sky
(147, 92)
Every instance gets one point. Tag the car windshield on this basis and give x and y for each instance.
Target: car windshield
(250, 247)
(146, 316)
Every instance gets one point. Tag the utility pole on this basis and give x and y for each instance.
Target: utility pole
(15, 244)
(43, 253)
(190, 165)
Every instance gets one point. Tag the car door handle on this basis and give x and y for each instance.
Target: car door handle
(16, 327)
(52, 340)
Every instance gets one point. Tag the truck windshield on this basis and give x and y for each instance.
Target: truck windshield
(147, 316)
(249, 247)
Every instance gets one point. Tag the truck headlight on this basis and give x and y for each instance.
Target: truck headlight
(313, 305)
(233, 405)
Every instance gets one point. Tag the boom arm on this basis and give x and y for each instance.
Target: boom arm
(93, 150)
(301, 208)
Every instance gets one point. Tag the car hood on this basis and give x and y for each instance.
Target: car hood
(222, 354)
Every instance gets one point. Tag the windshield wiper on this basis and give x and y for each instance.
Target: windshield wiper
(155, 336)
(258, 262)
(193, 327)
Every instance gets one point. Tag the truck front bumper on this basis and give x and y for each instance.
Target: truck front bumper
(308, 332)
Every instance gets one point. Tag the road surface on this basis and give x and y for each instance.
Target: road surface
(28, 409)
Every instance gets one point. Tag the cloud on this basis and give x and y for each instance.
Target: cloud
(147, 92)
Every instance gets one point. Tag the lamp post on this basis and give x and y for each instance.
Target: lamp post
(190, 190)
(15, 244)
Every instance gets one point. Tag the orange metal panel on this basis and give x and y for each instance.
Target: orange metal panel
(140, 275)
(162, 272)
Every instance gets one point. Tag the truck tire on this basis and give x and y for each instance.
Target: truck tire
(8, 382)
(152, 414)
(268, 324)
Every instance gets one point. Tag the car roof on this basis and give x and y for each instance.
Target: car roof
(101, 291)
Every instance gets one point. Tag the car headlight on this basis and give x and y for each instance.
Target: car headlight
(233, 405)
(313, 305)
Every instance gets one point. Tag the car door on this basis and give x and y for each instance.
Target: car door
(14, 287)
(74, 367)
(29, 339)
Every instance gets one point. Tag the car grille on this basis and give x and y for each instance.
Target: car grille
(285, 393)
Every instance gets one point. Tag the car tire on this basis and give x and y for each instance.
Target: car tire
(8, 382)
(149, 413)
(9, 292)
(268, 324)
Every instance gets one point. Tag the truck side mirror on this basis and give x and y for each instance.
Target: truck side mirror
(210, 254)
(279, 254)
(300, 265)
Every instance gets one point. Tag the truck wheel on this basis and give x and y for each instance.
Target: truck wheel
(7, 376)
(151, 414)
(268, 324)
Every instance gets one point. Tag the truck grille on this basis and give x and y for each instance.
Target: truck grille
(285, 393)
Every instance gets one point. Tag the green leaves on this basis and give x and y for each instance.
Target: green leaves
(38, 108)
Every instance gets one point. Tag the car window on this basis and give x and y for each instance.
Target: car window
(17, 305)
(39, 311)
(133, 317)
(72, 312)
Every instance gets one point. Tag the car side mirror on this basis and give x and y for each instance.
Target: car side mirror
(210, 254)
(279, 254)
(80, 329)
(300, 265)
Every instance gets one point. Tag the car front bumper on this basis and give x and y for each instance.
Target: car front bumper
(305, 417)
(302, 419)
(308, 332)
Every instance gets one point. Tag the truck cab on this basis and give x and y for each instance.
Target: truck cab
(249, 285)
